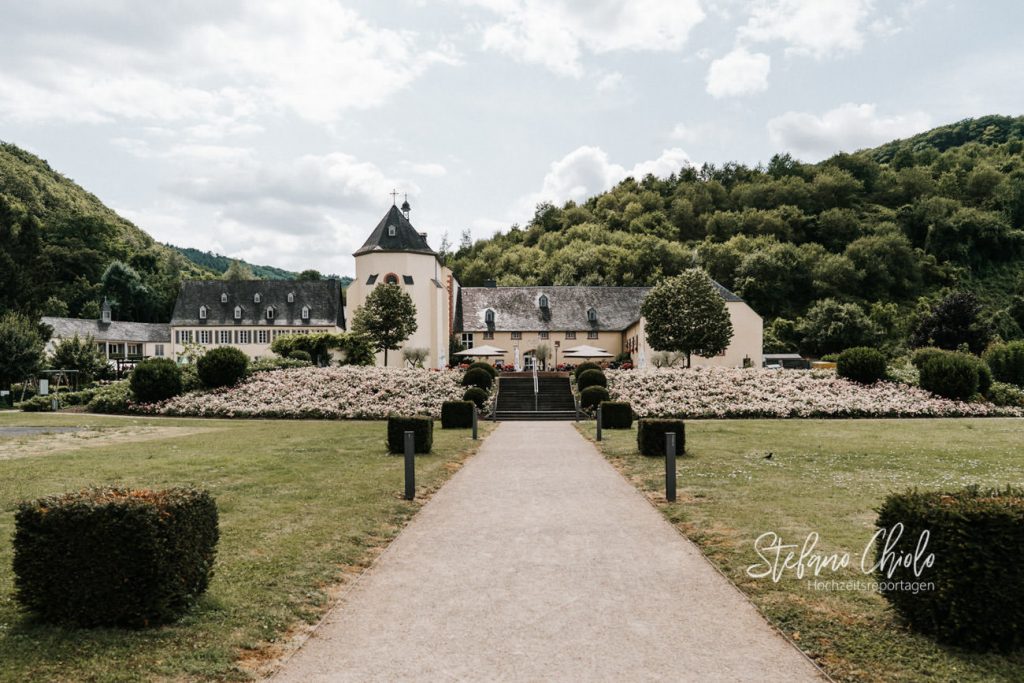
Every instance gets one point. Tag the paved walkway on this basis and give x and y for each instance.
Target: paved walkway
(538, 561)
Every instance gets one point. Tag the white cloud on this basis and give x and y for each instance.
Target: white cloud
(586, 171)
(213, 67)
(819, 28)
(738, 73)
(848, 127)
(428, 169)
(609, 82)
(555, 33)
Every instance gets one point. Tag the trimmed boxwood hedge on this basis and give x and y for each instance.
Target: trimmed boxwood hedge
(1007, 362)
(155, 379)
(616, 415)
(591, 378)
(222, 367)
(650, 435)
(457, 414)
(861, 364)
(114, 556)
(476, 395)
(950, 375)
(423, 427)
(977, 539)
(583, 367)
(591, 396)
(491, 370)
(478, 377)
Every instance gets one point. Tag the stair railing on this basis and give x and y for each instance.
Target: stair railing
(497, 391)
(536, 386)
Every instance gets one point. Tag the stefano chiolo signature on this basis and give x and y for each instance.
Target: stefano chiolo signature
(776, 557)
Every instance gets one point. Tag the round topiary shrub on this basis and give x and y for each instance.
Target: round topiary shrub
(476, 395)
(222, 367)
(976, 537)
(861, 364)
(155, 379)
(478, 377)
(591, 378)
(921, 355)
(950, 375)
(1007, 362)
(591, 396)
(299, 354)
(484, 366)
(583, 367)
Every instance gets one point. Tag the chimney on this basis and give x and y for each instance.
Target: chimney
(424, 236)
(490, 283)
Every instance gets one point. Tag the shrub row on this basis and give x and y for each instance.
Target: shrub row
(977, 539)
(114, 556)
(1007, 362)
(616, 415)
(952, 374)
(861, 364)
(478, 377)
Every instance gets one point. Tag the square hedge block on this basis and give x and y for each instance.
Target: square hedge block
(650, 435)
(421, 425)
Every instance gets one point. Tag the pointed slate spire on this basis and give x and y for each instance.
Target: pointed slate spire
(402, 238)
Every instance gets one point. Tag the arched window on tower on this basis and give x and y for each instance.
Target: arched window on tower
(391, 279)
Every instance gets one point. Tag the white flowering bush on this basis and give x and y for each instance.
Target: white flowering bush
(325, 393)
(726, 392)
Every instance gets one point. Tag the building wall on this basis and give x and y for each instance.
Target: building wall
(609, 341)
(747, 340)
(431, 301)
(120, 348)
(254, 350)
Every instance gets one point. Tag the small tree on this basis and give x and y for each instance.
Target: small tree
(686, 314)
(387, 318)
(952, 322)
(542, 353)
(238, 271)
(309, 275)
(21, 349)
(415, 356)
(79, 354)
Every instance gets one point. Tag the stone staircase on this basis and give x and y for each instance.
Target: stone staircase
(516, 399)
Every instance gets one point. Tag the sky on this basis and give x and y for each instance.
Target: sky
(275, 130)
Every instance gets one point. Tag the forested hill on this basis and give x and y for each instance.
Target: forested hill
(866, 240)
(62, 250)
(219, 264)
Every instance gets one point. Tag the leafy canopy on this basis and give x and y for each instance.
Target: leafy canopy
(387, 318)
(686, 314)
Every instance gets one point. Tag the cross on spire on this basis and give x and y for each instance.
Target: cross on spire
(394, 197)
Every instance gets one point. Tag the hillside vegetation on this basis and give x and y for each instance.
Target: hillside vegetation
(219, 264)
(865, 243)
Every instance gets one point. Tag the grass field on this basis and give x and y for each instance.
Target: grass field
(303, 505)
(827, 477)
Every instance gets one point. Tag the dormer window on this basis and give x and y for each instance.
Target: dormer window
(238, 312)
(257, 298)
(392, 230)
(270, 312)
(592, 316)
(305, 312)
(202, 312)
(224, 298)
(291, 297)
(489, 317)
(543, 301)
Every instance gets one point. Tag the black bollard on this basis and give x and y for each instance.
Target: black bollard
(410, 465)
(670, 467)
(599, 425)
(474, 424)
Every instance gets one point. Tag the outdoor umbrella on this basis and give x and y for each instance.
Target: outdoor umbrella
(586, 352)
(482, 351)
(516, 364)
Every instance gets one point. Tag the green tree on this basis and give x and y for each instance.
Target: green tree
(387, 318)
(238, 271)
(21, 348)
(79, 354)
(309, 275)
(953, 321)
(831, 326)
(686, 314)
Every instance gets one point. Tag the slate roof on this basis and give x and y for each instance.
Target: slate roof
(406, 238)
(115, 331)
(322, 297)
(517, 308)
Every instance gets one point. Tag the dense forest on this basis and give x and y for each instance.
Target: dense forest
(863, 247)
(219, 264)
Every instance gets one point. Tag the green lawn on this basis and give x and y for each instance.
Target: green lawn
(303, 505)
(826, 476)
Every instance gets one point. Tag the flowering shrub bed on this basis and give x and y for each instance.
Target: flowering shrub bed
(325, 393)
(725, 392)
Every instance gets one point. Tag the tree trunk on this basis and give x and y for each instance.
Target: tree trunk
(687, 359)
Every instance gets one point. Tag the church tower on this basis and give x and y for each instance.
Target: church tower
(396, 253)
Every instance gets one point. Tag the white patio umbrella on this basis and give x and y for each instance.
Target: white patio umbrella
(482, 351)
(586, 352)
(516, 364)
